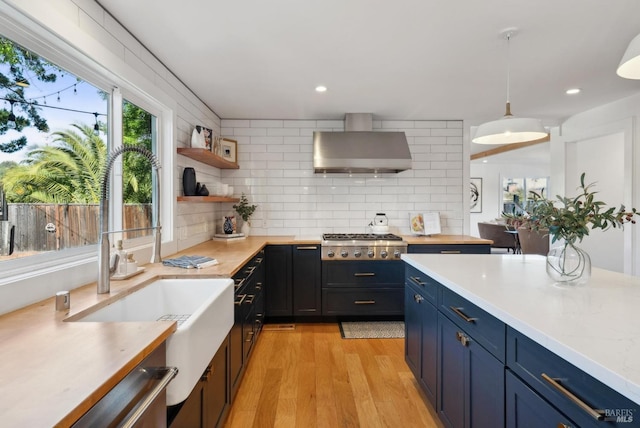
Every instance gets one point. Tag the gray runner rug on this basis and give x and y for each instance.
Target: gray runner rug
(372, 330)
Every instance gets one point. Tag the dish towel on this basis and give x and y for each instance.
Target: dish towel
(190, 262)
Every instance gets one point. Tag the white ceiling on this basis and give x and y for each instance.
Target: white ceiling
(402, 59)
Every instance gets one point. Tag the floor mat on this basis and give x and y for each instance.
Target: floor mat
(372, 330)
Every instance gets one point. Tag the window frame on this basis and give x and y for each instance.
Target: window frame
(30, 34)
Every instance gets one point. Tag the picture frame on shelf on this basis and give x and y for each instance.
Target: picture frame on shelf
(229, 149)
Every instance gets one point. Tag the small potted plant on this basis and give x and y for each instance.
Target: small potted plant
(245, 211)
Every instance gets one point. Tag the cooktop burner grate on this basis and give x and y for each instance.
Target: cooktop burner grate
(360, 237)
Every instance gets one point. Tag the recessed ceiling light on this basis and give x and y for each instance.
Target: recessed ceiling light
(573, 91)
(321, 88)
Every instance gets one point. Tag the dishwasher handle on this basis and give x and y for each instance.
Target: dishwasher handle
(166, 374)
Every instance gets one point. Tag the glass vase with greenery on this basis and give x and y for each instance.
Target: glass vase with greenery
(569, 220)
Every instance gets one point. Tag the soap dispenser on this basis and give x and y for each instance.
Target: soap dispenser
(122, 262)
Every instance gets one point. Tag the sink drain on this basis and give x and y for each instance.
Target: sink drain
(171, 317)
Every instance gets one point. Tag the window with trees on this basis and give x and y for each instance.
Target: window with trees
(516, 192)
(54, 143)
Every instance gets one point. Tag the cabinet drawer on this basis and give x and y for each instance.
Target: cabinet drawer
(450, 249)
(357, 301)
(365, 273)
(525, 408)
(484, 328)
(556, 379)
(427, 286)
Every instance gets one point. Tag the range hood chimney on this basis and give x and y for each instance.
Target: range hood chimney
(359, 149)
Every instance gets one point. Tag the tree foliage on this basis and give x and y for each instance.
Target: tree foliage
(21, 63)
(67, 172)
(136, 130)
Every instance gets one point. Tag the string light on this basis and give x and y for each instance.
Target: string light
(12, 117)
(58, 96)
(96, 127)
(75, 90)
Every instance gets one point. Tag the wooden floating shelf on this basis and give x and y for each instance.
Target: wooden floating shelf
(207, 199)
(205, 156)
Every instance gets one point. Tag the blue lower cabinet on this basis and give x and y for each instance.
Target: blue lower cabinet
(471, 383)
(421, 340)
(526, 409)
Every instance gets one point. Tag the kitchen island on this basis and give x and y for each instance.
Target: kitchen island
(592, 327)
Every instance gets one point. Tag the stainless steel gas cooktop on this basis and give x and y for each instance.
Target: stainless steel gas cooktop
(362, 246)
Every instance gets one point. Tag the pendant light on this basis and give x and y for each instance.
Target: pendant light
(509, 129)
(629, 67)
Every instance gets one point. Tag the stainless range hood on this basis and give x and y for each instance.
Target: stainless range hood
(359, 149)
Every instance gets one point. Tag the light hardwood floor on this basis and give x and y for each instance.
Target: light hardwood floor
(311, 377)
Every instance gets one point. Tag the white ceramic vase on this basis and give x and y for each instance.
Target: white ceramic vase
(246, 228)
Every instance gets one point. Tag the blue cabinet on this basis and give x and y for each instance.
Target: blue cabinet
(576, 394)
(421, 335)
(526, 409)
(471, 383)
(278, 281)
(456, 351)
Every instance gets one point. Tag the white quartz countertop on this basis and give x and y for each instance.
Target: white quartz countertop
(593, 326)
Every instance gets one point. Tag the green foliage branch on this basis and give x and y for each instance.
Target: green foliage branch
(244, 209)
(571, 218)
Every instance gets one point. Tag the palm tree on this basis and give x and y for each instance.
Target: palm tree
(69, 172)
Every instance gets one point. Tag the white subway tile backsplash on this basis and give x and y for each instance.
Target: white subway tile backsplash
(431, 124)
(335, 124)
(235, 123)
(288, 132)
(266, 123)
(294, 200)
(299, 123)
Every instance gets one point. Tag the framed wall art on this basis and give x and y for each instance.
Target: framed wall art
(229, 149)
(475, 203)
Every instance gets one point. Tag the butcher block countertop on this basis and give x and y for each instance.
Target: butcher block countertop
(445, 240)
(52, 371)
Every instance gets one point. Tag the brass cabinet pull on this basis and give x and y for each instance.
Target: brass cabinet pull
(462, 315)
(307, 248)
(462, 338)
(250, 336)
(416, 279)
(555, 382)
(249, 299)
(418, 298)
(364, 274)
(239, 302)
(258, 286)
(450, 252)
(365, 302)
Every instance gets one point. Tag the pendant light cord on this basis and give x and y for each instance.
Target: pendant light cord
(508, 64)
(508, 106)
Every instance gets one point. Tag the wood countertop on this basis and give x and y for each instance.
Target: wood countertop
(52, 371)
(445, 240)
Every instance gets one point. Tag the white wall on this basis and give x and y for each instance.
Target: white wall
(617, 120)
(276, 172)
(606, 248)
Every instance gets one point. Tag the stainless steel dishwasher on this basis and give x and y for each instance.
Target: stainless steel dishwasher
(138, 400)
